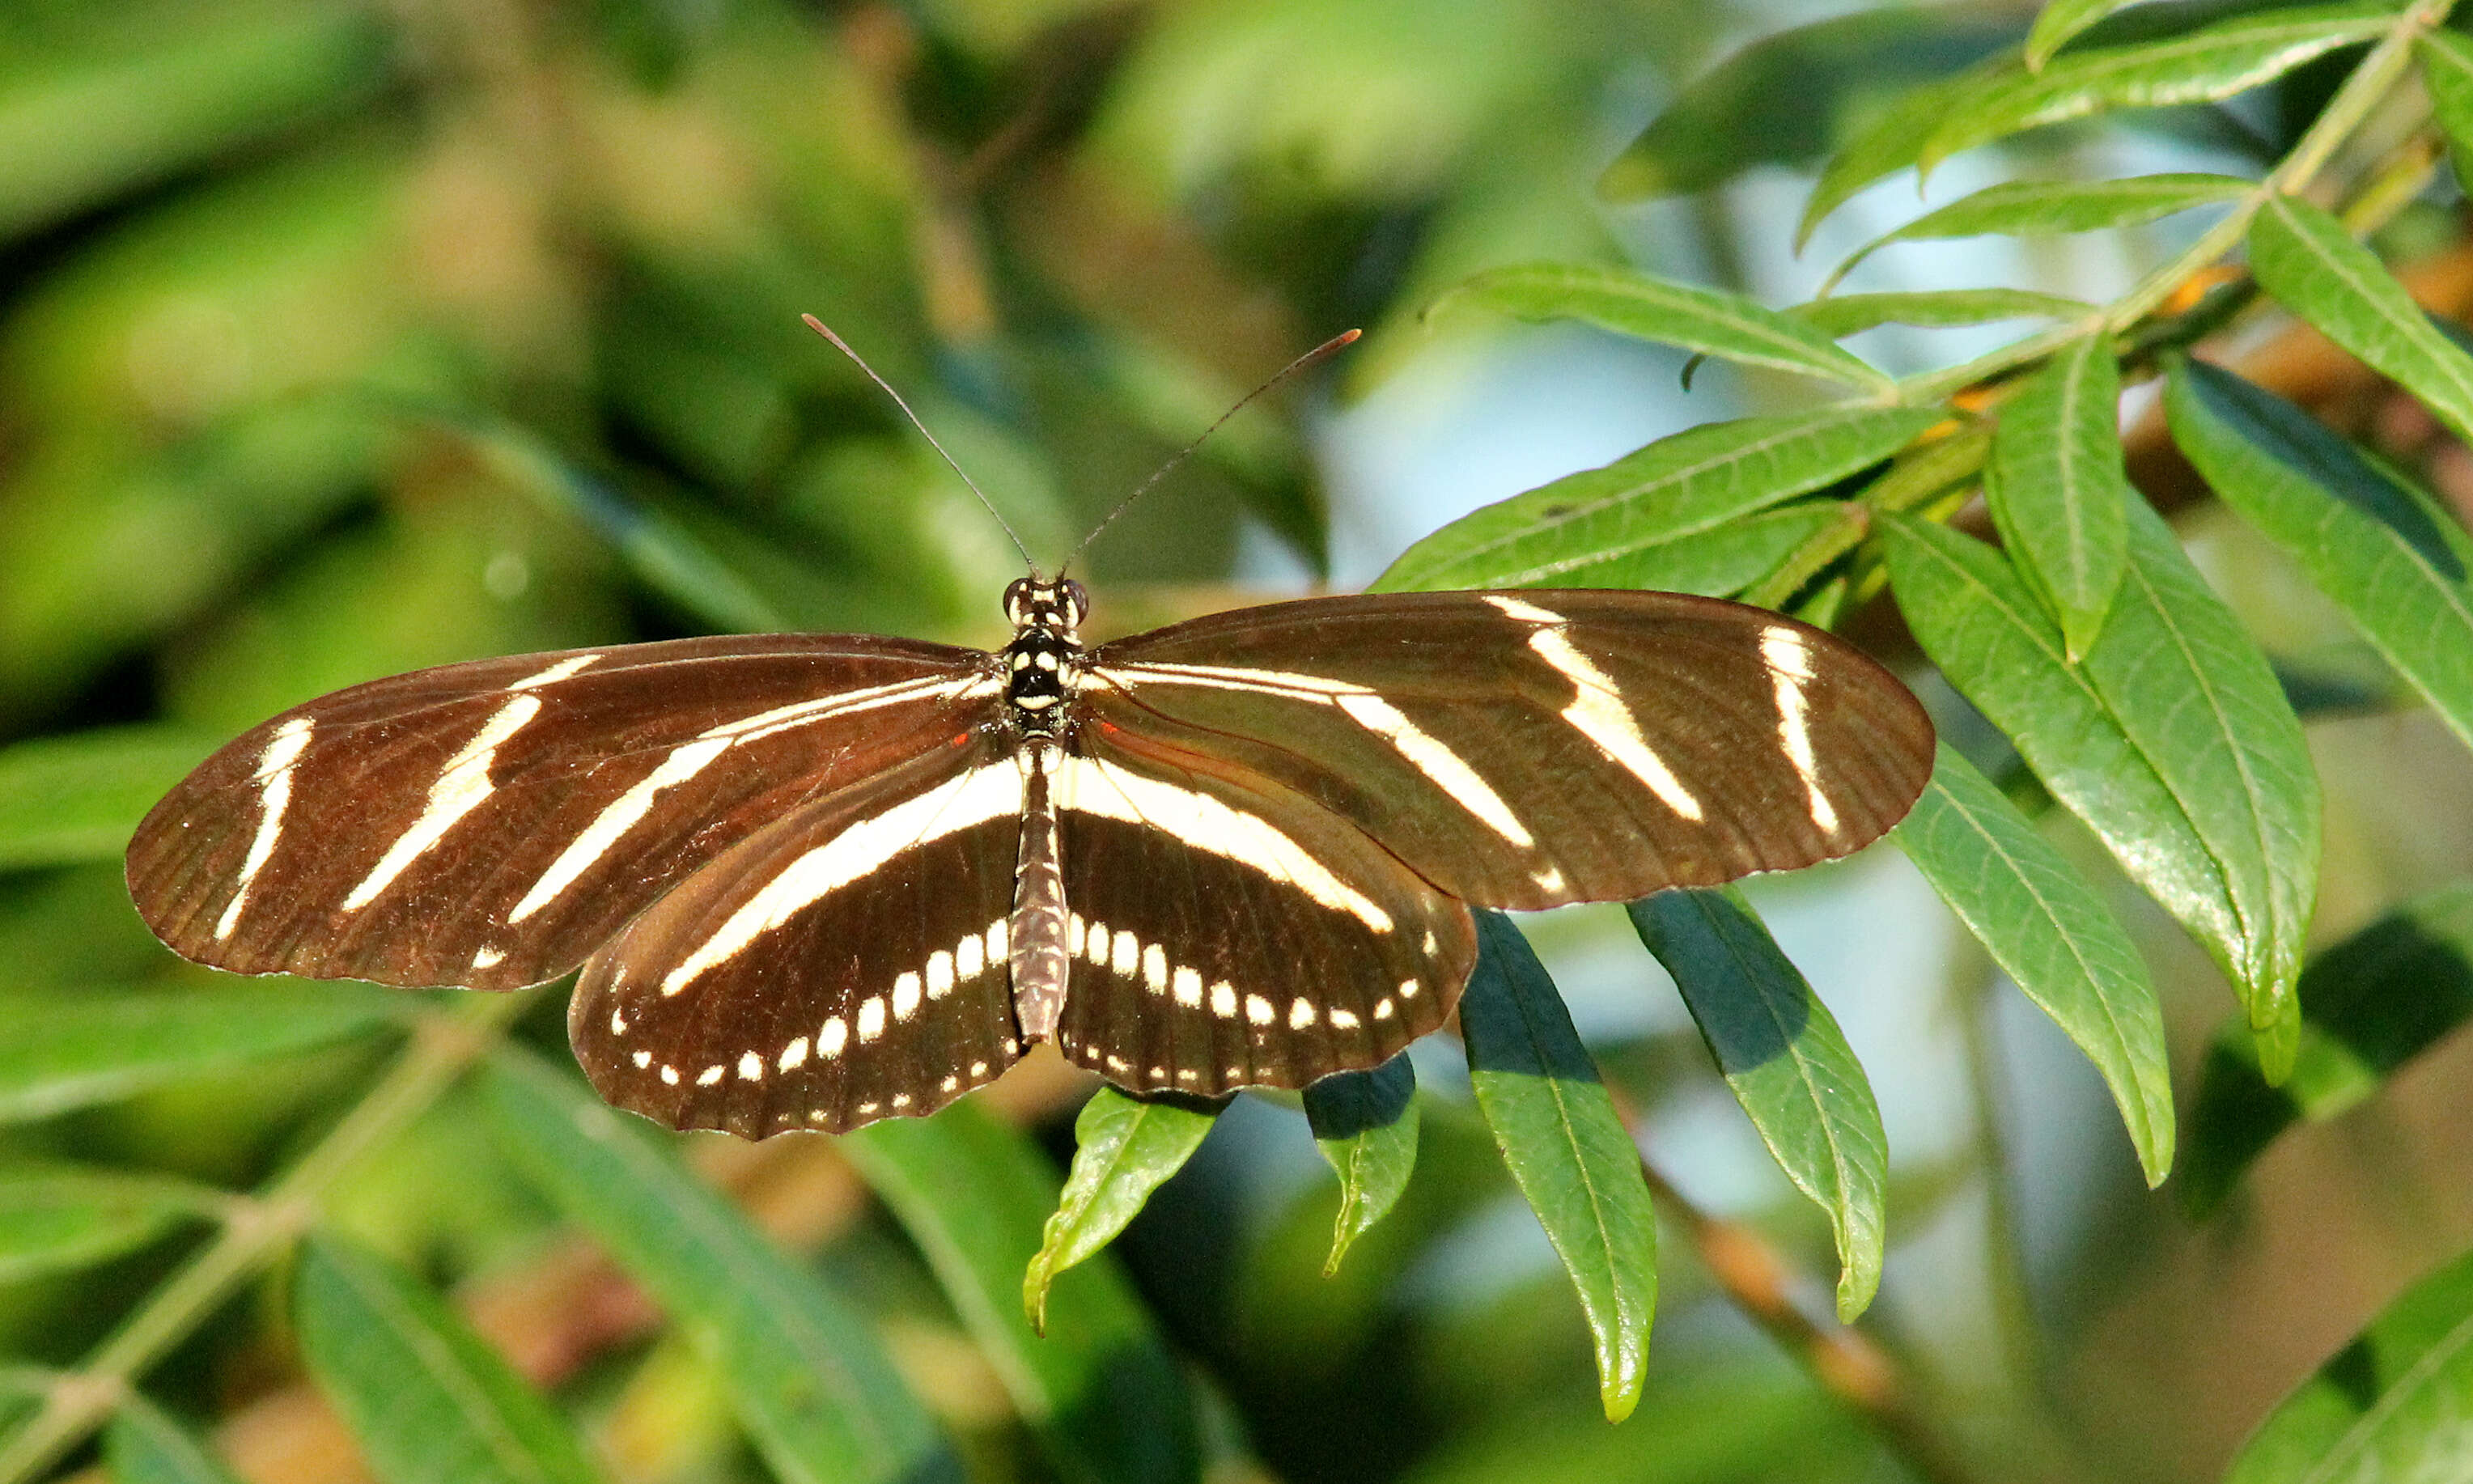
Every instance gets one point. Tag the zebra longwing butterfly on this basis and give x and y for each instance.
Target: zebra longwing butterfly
(820, 879)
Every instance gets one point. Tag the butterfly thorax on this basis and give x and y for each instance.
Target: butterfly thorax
(1043, 662)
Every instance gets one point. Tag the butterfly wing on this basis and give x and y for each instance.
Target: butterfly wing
(490, 824)
(1527, 750)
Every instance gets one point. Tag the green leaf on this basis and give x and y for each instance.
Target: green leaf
(2304, 257)
(69, 1048)
(1846, 313)
(1711, 321)
(811, 1385)
(2205, 65)
(2059, 21)
(1365, 1124)
(144, 1445)
(1603, 526)
(1975, 617)
(60, 1217)
(1895, 140)
(2196, 698)
(429, 1401)
(2400, 566)
(2369, 1005)
(67, 800)
(2395, 1407)
(1124, 1148)
(1565, 1148)
(2057, 489)
(2447, 71)
(2053, 936)
(1787, 1063)
(1101, 1391)
(2023, 209)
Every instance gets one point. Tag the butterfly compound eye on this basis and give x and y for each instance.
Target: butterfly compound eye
(1016, 601)
(1077, 604)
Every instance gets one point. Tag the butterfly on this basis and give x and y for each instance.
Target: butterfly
(814, 880)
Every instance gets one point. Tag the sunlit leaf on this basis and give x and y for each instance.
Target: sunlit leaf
(1365, 1124)
(2057, 489)
(67, 1048)
(1711, 321)
(1124, 1148)
(59, 1217)
(429, 1401)
(2395, 1407)
(2026, 208)
(2400, 566)
(2050, 932)
(143, 1446)
(79, 798)
(2059, 20)
(1848, 314)
(1565, 1148)
(1600, 527)
(1787, 1063)
(811, 1384)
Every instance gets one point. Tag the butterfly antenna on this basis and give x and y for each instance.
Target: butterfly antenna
(1337, 342)
(843, 346)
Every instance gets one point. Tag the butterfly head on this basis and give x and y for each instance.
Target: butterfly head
(1058, 606)
(1040, 660)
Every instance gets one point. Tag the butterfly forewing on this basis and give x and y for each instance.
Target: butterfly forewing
(490, 824)
(1527, 750)
(1225, 932)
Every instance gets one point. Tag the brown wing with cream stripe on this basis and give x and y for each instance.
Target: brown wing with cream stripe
(1227, 932)
(843, 965)
(490, 824)
(1527, 749)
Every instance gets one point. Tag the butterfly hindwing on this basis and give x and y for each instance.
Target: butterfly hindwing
(1527, 750)
(490, 824)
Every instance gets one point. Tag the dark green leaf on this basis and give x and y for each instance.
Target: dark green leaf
(2059, 20)
(429, 1401)
(2026, 208)
(1365, 1124)
(2369, 1004)
(811, 1384)
(2057, 489)
(2395, 1407)
(2053, 934)
(1601, 526)
(1100, 1390)
(2396, 563)
(1709, 321)
(66, 800)
(1566, 1149)
(2203, 66)
(57, 1217)
(2199, 701)
(1787, 1063)
(145, 1447)
(1848, 314)
(2305, 258)
(68, 1049)
(1124, 1148)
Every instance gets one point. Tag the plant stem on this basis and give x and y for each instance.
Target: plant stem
(78, 1401)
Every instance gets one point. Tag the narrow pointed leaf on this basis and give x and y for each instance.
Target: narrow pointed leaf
(1101, 1392)
(72, 798)
(2398, 565)
(2059, 20)
(2395, 1407)
(1565, 1148)
(1848, 314)
(1365, 1124)
(68, 1049)
(2201, 66)
(1787, 1063)
(2447, 71)
(429, 1401)
(60, 1217)
(1993, 641)
(1711, 321)
(144, 1445)
(1895, 140)
(2196, 698)
(2057, 489)
(1597, 527)
(1124, 1148)
(2053, 936)
(2369, 1005)
(811, 1384)
(2027, 208)
(2304, 257)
